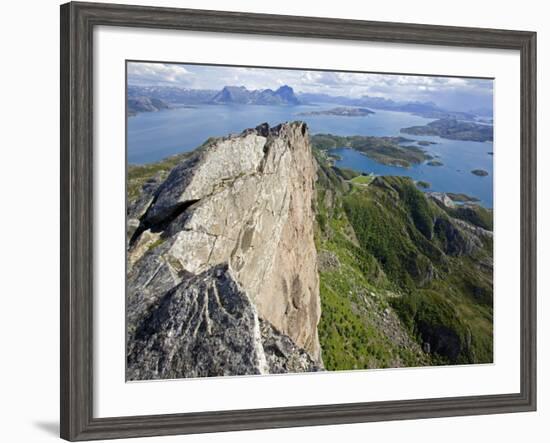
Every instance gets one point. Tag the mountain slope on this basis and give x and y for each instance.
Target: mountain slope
(410, 276)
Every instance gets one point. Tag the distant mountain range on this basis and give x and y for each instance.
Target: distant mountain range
(285, 95)
(240, 95)
(228, 95)
(173, 94)
(424, 109)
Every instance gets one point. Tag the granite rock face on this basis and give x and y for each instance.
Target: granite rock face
(456, 240)
(281, 353)
(195, 330)
(227, 238)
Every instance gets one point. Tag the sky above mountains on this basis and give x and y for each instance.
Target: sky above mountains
(453, 93)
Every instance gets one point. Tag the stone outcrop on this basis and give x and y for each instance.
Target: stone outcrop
(442, 199)
(456, 240)
(222, 265)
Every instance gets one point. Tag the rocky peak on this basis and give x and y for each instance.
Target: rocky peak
(287, 94)
(243, 205)
(231, 93)
(284, 95)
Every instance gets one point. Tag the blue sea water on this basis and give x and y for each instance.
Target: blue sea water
(152, 136)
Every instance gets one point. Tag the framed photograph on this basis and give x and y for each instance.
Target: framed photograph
(272, 221)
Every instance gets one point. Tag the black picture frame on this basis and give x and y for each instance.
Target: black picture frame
(77, 23)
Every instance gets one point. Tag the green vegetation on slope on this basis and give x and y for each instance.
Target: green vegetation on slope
(474, 214)
(407, 276)
(357, 329)
(362, 179)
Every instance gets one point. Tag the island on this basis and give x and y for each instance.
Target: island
(345, 112)
(434, 163)
(480, 172)
(453, 130)
(426, 143)
(385, 150)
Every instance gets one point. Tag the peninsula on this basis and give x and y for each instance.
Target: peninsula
(385, 150)
(453, 130)
(342, 111)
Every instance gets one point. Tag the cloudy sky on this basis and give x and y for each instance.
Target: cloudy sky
(452, 93)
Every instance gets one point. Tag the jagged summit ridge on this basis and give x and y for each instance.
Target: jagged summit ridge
(244, 203)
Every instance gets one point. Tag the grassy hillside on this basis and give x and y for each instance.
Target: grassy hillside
(402, 282)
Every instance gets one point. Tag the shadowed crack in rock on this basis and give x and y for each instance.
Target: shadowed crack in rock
(161, 221)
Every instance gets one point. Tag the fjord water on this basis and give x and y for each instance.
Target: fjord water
(459, 158)
(153, 136)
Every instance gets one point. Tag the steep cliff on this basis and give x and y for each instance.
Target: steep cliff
(222, 264)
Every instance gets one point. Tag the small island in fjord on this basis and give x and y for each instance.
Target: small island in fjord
(480, 172)
(341, 111)
(434, 163)
(426, 143)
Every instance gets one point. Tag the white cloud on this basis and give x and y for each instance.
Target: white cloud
(157, 73)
